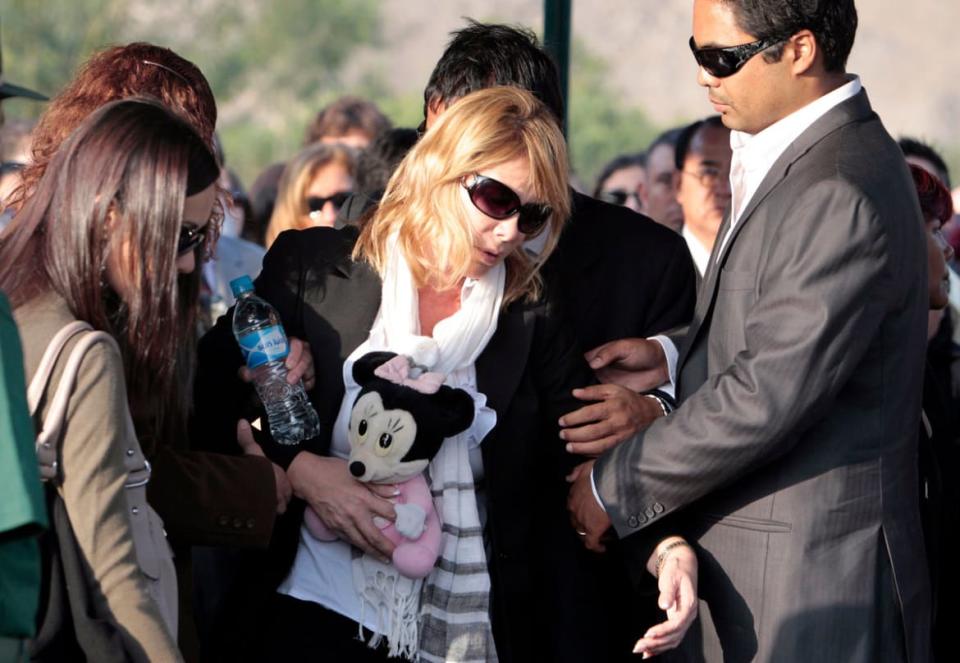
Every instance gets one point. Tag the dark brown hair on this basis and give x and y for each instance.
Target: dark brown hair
(118, 183)
(344, 115)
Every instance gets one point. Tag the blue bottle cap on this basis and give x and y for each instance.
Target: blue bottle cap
(241, 285)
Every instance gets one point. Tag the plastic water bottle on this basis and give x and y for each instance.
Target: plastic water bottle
(257, 328)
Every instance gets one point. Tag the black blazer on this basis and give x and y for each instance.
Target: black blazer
(527, 372)
(619, 274)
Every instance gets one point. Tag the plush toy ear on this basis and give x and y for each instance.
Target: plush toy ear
(364, 367)
(455, 410)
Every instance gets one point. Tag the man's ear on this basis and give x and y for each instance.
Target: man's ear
(435, 108)
(801, 50)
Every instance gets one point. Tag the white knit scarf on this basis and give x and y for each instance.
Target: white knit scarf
(445, 617)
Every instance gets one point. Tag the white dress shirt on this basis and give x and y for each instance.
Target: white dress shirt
(699, 253)
(755, 154)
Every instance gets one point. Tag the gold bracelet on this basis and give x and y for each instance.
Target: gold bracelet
(661, 558)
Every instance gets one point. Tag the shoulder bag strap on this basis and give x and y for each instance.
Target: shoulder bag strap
(50, 430)
(38, 384)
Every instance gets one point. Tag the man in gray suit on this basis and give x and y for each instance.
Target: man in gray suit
(791, 460)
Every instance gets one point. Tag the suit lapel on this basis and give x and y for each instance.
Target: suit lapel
(500, 366)
(856, 108)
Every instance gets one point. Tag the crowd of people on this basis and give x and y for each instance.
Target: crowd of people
(713, 408)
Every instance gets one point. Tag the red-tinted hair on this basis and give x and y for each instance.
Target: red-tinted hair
(137, 69)
(120, 72)
(935, 200)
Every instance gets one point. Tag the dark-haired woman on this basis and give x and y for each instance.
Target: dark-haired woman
(939, 451)
(114, 219)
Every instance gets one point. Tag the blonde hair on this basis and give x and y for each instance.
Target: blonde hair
(423, 205)
(291, 203)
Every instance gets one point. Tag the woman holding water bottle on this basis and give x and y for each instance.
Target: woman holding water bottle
(439, 274)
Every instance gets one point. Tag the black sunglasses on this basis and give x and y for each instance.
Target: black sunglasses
(317, 203)
(726, 61)
(618, 196)
(190, 238)
(498, 201)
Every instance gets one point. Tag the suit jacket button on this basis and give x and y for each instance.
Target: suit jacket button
(222, 521)
(649, 512)
(237, 523)
(632, 521)
(250, 523)
(657, 508)
(642, 519)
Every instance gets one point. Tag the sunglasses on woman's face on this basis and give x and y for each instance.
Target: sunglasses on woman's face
(618, 196)
(726, 61)
(317, 203)
(498, 201)
(190, 238)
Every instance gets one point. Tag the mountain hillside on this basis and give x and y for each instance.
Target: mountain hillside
(905, 54)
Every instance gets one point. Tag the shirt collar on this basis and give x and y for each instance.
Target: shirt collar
(755, 150)
(699, 252)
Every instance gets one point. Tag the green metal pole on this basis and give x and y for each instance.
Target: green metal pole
(556, 40)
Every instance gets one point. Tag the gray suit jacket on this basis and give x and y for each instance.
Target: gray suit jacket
(792, 458)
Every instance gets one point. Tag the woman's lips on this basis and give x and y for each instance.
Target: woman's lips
(489, 257)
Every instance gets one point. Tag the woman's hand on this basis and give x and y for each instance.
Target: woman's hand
(678, 596)
(299, 364)
(346, 506)
(251, 448)
(587, 517)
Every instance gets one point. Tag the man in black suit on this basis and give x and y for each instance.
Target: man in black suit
(615, 274)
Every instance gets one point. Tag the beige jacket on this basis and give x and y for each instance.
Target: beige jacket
(122, 538)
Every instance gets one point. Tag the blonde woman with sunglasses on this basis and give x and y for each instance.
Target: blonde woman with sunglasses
(438, 274)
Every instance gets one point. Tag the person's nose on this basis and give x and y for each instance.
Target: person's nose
(507, 230)
(704, 79)
(187, 262)
(947, 252)
(328, 215)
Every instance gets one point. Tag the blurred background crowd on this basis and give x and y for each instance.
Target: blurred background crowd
(319, 101)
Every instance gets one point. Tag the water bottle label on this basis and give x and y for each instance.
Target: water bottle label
(266, 345)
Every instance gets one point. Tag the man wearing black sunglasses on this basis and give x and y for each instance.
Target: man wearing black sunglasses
(792, 455)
